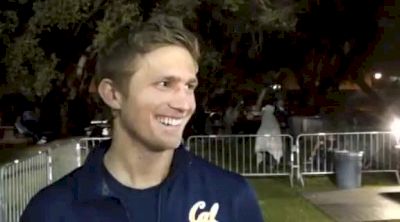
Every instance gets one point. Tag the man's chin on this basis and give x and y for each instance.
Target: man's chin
(165, 145)
(173, 144)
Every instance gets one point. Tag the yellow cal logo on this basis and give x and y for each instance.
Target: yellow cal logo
(205, 216)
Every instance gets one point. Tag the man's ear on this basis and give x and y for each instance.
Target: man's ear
(110, 94)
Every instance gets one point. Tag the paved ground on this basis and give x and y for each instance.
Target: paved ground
(361, 204)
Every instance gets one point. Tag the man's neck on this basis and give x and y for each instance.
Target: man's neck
(136, 166)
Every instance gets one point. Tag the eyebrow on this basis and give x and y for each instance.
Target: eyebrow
(174, 78)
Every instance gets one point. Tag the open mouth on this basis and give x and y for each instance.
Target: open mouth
(168, 121)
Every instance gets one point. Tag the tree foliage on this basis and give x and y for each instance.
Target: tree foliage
(338, 41)
(30, 64)
(44, 39)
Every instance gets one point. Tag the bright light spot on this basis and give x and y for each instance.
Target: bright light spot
(16, 161)
(276, 86)
(378, 75)
(105, 132)
(395, 128)
(94, 122)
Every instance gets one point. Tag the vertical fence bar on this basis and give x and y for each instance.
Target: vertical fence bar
(14, 191)
(2, 196)
(243, 158)
(249, 150)
(237, 158)
(230, 153)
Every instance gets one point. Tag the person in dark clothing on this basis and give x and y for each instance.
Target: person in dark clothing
(78, 115)
(50, 111)
(144, 174)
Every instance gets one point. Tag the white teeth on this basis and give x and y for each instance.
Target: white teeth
(169, 121)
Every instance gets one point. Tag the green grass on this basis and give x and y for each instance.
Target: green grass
(280, 202)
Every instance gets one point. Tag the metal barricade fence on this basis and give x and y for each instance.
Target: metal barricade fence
(85, 145)
(248, 155)
(315, 152)
(20, 180)
(63, 157)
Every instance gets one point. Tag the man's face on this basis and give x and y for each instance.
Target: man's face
(160, 98)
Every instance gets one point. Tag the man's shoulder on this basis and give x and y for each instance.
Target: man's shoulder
(217, 174)
(63, 187)
(54, 198)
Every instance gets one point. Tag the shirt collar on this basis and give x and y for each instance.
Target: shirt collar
(91, 181)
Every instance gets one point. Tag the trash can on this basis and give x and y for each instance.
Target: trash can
(348, 166)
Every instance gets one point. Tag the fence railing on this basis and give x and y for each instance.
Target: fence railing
(85, 145)
(19, 181)
(316, 151)
(22, 178)
(248, 155)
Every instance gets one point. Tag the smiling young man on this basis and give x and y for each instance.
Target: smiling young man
(147, 77)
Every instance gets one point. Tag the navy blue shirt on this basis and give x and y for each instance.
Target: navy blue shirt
(135, 199)
(194, 191)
